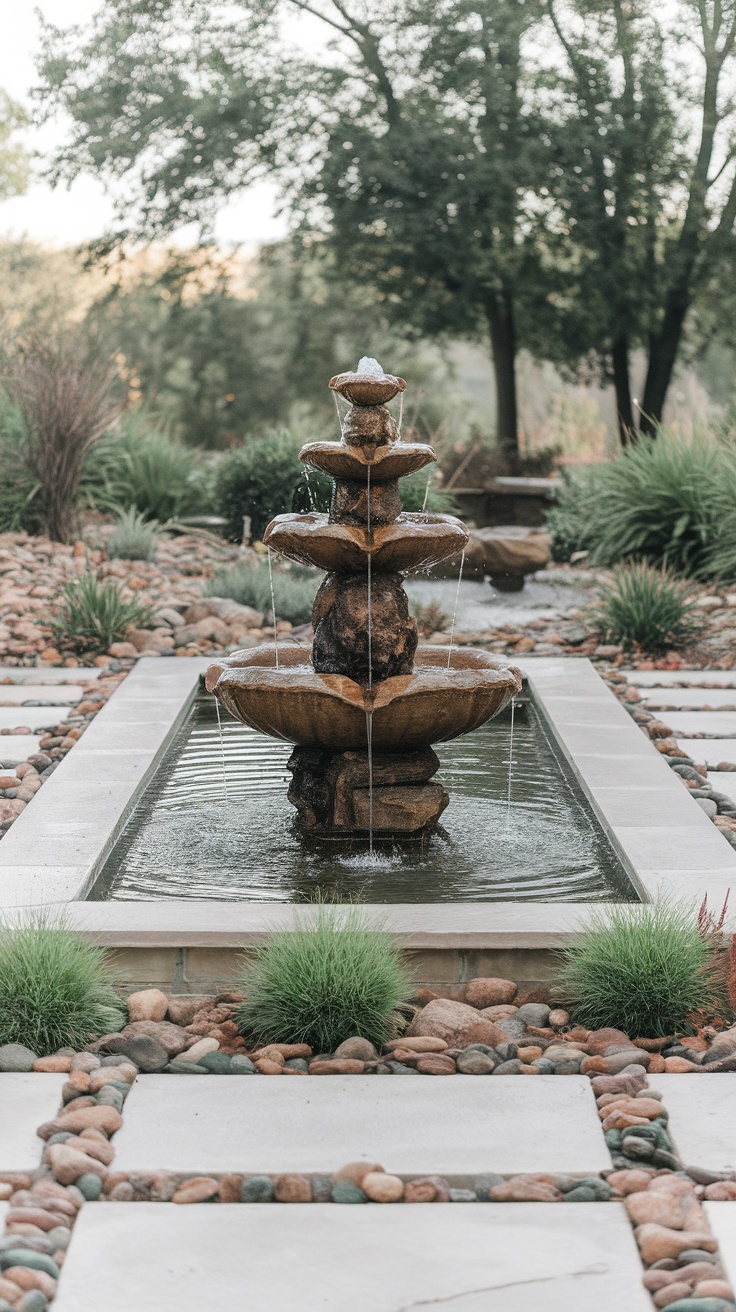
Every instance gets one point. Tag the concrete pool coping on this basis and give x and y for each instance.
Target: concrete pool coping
(50, 857)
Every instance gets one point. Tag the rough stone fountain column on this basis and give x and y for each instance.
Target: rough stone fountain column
(365, 713)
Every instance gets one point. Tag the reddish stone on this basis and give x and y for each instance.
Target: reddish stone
(337, 1066)
(720, 1191)
(53, 1064)
(196, 1190)
(26, 1278)
(425, 1044)
(671, 1293)
(356, 1172)
(266, 1066)
(292, 1189)
(631, 1181)
(383, 1188)
(679, 1065)
(98, 1118)
(230, 1186)
(490, 992)
(658, 1241)
(526, 1189)
(456, 1023)
(599, 1040)
(436, 1063)
(428, 1189)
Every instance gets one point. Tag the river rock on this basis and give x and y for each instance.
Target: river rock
(631, 1181)
(292, 1189)
(196, 1190)
(335, 1066)
(68, 1163)
(171, 1037)
(356, 1172)
(75, 1120)
(473, 1061)
(599, 1040)
(656, 1241)
(56, 1064)
(200, 1049)
(427, 1189)
(456, 1023)
(257, 1189)
(16, 1057)
(356, 1048)
(489, 992)
(183, 1007)
(424, 1044)
(382, 1188)
(534, 1013)
(148, 1055)
(436, 1063)
(526, 1189)
(147, 1004)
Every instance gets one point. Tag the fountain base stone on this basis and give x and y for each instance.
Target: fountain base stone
(330, 790)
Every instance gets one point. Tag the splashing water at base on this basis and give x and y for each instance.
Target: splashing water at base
(457, 601)
(222, 750)
(367, 365)
(273, 607)
(376, 860)
(369, 736)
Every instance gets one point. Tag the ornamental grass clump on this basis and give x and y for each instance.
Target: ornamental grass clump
(133, 538)
(647, 608)
(95, 614)
(641, 969)
(328, 979)
(55, 990)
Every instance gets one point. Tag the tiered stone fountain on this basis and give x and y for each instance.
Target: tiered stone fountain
(364, 713)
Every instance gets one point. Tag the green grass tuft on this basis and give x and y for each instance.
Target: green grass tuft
(641, 969)
(648, 609)
(55, 990)
(330, 978)
(294, 590)
(95, 614)
(133, 538)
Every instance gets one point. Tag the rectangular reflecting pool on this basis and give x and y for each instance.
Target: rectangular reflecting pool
(215, 824)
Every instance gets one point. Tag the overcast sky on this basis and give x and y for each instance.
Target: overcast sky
(69, 215)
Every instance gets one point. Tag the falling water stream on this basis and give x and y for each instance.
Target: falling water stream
(273, 607)
(222, 749)
(426, 490)
(511, 763)
(369, 712)
(310, 490)
(457, 602)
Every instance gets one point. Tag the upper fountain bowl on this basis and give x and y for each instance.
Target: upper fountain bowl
(368, 386)
(410, 711)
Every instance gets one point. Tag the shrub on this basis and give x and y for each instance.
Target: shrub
(55, 989)
(144, 470)
(95, 614)
(661, 501)
(68, 399)
(133, 538)
(430, 619)
(413, 490)
(641, 969)
(330, 978)
(646, 608)
(259, 479)
(294, 589)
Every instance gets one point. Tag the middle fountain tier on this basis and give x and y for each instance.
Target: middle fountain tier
(364, 713)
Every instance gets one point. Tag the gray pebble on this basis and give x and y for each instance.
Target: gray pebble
(16, 1057)
(180, 1066)
(398, 1068)
(512, 1067)
(257, 1189)
(344, 1191)
(110, 1097)
(321, 1188)
(462, 1196)
(544, 1066)
(242, 1065)
(22, 1256)
(533, 1013)
(297, 1063)
(506, 1051)
(217, 1063)
(484, 1184)
(90, 1185)
(696, 1255)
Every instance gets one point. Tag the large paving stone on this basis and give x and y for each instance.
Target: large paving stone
(702, 1110)
(710, 751)
(722, 1221)
(34, 674)
(14, 694)
(17, 748)
(26, 1101)
(157, 1257)
(705, 699)
(32, 717)
(719, 723)
(668, 678)
(413, 1125)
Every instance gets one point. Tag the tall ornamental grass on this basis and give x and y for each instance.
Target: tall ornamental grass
(640, 969)
(328, 979)
(647, 608)
(56, 991)
(250, 585)
(669, 500)
(95, 614)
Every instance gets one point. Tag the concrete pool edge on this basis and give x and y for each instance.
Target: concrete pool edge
(50, 857)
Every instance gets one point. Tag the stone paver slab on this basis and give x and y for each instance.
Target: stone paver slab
(32, 717)
(14, 694)
(702, 1110)
(26, 1101)
(670, 678)
(701, 699)
(36, 674)
(720, 724)
(15, 748)
(709, 751)
(413, 1125)
(722, 1222)
(157, 1257)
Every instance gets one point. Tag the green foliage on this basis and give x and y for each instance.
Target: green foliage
(647, 608)
(662, 500)
(413, 492)
(55, 990)
(20, 504)
(294, 589)
(258, 479)
(133, 538)
(15, 164)
(328, 979)
(641, 969)
(95, 614)
(144, 470)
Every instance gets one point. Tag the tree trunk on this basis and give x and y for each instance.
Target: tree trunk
(501, 328)
(621, 383)
(663, 350)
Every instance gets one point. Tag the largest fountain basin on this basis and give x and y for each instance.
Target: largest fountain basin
(433, 704)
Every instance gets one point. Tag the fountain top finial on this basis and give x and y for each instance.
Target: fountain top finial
(368, 385)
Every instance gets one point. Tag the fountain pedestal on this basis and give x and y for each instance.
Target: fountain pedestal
(332, 791)
(364, 712)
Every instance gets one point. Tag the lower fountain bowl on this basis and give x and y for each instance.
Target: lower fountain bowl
(290, 701)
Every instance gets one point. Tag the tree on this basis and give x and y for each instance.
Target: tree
(412, 144)
(646, 141)
(14, 161)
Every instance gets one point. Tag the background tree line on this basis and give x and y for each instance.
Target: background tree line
(557, 176)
